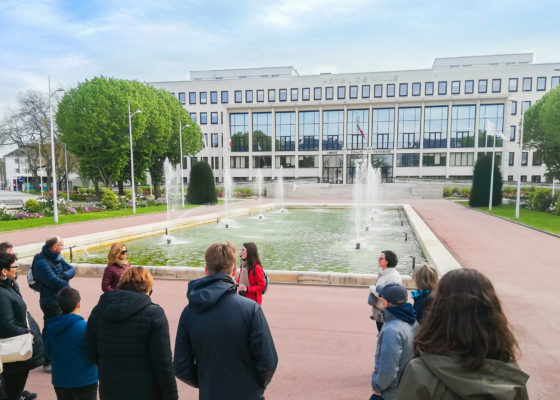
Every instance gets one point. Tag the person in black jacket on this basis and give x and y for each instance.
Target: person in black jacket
(223, 346)
(127, 336)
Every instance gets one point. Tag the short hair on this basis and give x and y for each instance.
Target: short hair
(425, 276)
(137, 279)
(68, 299)
(114, 252)
(220, 257)
(391, 258)
(4, 246)
(6, 260)
(52, 241)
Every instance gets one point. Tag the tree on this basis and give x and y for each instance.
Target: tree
(480, 191)
(202, 189)
(541, 131)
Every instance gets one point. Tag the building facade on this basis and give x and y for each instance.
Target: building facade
(430, 123)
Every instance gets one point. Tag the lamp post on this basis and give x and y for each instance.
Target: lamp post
(53, 166)
(39, 170)
(66, 168)
(181, 153)
(132, 157)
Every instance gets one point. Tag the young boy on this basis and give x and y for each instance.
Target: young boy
(73, 377)
(394, 343)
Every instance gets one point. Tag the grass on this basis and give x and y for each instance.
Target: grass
(537, 219)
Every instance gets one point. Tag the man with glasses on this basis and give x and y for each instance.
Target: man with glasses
(52, 273)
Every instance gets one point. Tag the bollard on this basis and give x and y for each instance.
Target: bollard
(413, 262)
(357, 246)
(405, 236)
(402, 223)
(167, 231)
(367, 228)
(71, 255)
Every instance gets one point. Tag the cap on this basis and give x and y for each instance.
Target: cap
(394, 293)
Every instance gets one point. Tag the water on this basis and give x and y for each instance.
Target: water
(280, 190)
(260, 192)
(173, 190)
(301, 240)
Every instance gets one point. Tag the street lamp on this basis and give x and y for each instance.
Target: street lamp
(66, 167)
(132, 157)
(53, 166)
(39, 170)
(181, 153)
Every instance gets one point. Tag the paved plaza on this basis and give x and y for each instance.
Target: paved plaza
(324, 337)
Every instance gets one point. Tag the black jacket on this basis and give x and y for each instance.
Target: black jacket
(52, 273)
(127, 336)
(224, 345)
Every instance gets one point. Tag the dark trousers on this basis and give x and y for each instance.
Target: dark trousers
(49, 311)
(80, 393)
(14, 385)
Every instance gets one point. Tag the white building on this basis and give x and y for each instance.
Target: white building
(416, 123)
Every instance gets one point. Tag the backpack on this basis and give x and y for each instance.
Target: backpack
(265, 279)
(33, 284)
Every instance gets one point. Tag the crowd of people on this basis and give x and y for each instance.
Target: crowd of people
(452, 342)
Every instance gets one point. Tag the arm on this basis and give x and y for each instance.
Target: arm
(160, 355)
(106, 280)
(90, 342)
(262, 348)
(185, 364)
(8, 327)
(46, 276)
(261, 282)
(69, 270)
(390, 355)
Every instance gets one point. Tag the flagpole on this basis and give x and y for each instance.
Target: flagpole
(518, 196)
(492, 168)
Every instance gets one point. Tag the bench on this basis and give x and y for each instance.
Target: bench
(12, 204)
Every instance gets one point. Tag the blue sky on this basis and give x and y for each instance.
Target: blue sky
(74, 40)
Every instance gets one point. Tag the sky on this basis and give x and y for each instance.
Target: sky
(146, 40)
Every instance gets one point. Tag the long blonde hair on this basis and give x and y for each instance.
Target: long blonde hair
(113, 256)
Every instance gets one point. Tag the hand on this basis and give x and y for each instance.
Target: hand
(374, 392)
(242, 288)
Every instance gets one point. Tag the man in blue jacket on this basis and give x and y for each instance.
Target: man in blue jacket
(223, 345)
(52, 273)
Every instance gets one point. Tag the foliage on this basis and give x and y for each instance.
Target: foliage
(27, 215)
(109, 200)
(540, 130)
(243, 192)
(507, 190)
(202, 189)
(447, 192)
(557, 205)
(456, 190)
(5, 216)
(480, 191)
(541, 199)
(33, 206)
(466, 191)
(537, 219)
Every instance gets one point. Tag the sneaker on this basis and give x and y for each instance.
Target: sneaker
(28, 395)
(47, 368)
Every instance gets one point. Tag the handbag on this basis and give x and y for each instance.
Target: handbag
(17, 348)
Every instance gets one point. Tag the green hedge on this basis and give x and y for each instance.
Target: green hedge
(202, 189)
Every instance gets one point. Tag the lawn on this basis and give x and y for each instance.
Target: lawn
(537, 219)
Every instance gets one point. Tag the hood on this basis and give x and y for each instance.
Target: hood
(50, 255)
(495, 380)
(205, 292)
(119, 305)
(57, 325)
(404, 312)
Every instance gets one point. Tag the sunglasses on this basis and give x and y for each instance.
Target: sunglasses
(124, 252)
(14, 267)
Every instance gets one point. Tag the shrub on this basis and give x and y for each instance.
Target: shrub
(447, 192)
(541, 199)
(508, 190)
(466, 191)
(32, 206)
(202, 189)
(243, 192)
(557, 211)
(456, 190)
(480, 191)
(109, 199)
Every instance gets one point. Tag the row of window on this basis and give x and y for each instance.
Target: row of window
(534, 178)
(537, 159)
(441, 88)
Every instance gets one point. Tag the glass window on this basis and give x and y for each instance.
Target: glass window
(461, 159)
(403, 89)
(193, 116)
(442, 88)
(408, 160)
(260, 95)
(429, 88)
(215, 140)
(353, 162)
(308, 161)
(238, 96)
(357, 129)
(182, 97)
(493, 113)
(390, 90)
(317, 93)
(416, 87)
(469, 86)
(408, 133)
(525, 106)
(262, 131)
(554, 81)
(512, 133)
(283, 94)
(523, 178)
(524, 157)
(213, 117)
(513, 107)
(286, 161)
(305, 94)
(248, 96)
(203, 118)
(365, 91)
(537, 159)
(294, 94)
(527, 84)
(482, 85)
(535, 178)
(496, 85)
(286, 131)
(262, 162)
(271, 95)
(192, 97)
(239, 128)
(462, 126)
(215, 162)
(239, 162)
(333, 129)
(512, 85)
(383, 128)
(455, 87)
(541, 83)
(329, 93)
(225, 96)
(511, 159)
(202, 97)
(214, 97)
(205, 139)
(341, 92)
(353, 92)
(434, 159)
(377, 91)
(435, 127)
(308, 130)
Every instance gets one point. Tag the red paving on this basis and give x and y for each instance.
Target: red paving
(323, 335)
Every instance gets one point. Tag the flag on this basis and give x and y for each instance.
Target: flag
(229, 143)
(492, 130)
(360, 130)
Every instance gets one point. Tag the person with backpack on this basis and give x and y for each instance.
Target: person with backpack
(252, 279)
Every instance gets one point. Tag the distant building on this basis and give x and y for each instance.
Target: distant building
(416, 123)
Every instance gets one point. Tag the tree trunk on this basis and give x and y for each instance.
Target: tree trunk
(157, 185)
(96, 185)
(121, 187)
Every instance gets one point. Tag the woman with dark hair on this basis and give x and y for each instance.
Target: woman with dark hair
(127, 336)
(388, 275)
(251, 278)
(465, 346)
(116, 264)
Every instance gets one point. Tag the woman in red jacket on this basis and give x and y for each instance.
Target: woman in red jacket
(116, 264)
(251, 278)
